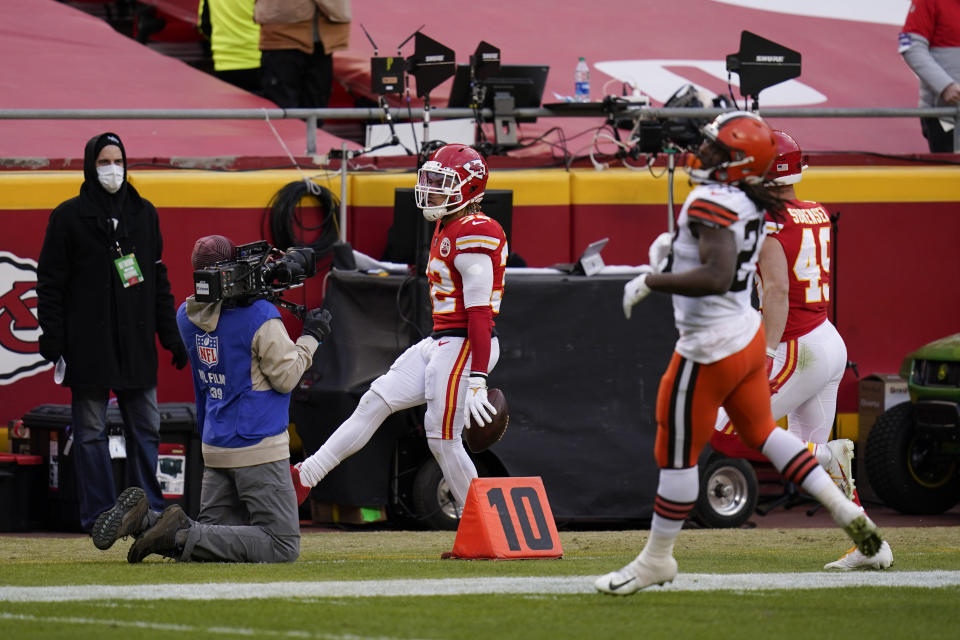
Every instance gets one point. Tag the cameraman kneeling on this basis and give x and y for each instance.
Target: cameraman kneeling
(244, 368)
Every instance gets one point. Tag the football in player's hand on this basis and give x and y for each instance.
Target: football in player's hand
(481, 437)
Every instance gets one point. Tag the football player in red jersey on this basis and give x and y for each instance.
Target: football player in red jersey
(447, 370)
(719, 357)
(806, 357)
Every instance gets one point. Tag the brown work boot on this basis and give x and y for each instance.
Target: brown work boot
(161, 538)
(125, 518)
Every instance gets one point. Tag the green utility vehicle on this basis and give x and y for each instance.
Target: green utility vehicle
(913, 449)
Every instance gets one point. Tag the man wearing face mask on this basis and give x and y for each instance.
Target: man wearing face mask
(102, 297)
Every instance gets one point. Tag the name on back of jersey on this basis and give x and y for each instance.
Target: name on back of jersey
(816, 215)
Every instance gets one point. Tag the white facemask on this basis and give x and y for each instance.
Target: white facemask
(111, 177)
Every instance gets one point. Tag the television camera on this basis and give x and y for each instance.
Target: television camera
(760, 63)
(257, 270)
(661, 134)
(650, 136)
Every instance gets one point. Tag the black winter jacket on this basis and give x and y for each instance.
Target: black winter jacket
(104, 332)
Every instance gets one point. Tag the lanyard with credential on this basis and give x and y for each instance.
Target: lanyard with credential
(127, 267)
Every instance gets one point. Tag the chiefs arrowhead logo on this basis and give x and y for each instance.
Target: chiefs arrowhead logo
(19, 330)
(208, 349)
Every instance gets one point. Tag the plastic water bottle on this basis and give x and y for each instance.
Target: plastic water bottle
(581, 81)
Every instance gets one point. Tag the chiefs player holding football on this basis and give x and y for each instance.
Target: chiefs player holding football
(806, 357)
(719, 358)
(447, 370)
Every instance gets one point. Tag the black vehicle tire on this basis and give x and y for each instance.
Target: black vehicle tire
(903, 468)
(728, 493)
(432, 500)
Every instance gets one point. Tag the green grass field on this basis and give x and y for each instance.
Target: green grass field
(184, 605)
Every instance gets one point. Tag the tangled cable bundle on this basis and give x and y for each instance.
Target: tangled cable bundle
(286, 221)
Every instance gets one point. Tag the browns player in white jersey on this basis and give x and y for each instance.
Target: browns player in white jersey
(447, 370)
(806, 357)
(719, 357)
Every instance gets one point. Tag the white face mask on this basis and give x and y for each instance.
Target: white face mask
(111, 177)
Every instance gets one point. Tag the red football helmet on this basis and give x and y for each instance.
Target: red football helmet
(453, 177)
(747, 142)
(788, 167)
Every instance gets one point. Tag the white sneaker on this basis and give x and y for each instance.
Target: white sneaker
(841, 465)
(853, 559)
(637, 575)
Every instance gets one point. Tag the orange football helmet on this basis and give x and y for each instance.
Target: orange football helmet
(747, 143)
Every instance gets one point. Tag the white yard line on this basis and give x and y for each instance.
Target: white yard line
(459, 586)
(187, 628)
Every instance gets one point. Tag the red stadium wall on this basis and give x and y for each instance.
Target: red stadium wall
(896, 266)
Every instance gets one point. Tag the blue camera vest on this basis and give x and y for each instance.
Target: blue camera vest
(229, 411)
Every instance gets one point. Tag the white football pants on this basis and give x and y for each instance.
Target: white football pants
(810, 369)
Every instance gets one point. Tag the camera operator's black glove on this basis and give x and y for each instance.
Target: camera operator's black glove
(317, 323)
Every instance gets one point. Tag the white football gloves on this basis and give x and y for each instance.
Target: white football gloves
(309, 472)
(660, 251)
(477, 404)
(636, 290)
